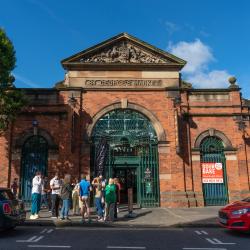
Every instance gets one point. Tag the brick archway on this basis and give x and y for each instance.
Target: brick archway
(213, 132)
(29, 133)
(161, 136)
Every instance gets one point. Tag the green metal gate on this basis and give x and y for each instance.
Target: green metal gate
(34, 158)
(132, 144)
(212, 150)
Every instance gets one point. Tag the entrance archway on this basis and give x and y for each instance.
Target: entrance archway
(34, 158)
(212, 154)
(124, 145)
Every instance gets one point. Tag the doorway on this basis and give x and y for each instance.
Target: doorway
(125, 144)
(34, 158)
(212, 153)
(128, 179)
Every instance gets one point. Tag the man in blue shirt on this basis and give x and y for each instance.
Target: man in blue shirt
(84, 192)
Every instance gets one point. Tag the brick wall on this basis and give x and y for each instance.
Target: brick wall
(179, 173)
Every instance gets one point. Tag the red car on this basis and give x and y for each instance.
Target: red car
(236, 216)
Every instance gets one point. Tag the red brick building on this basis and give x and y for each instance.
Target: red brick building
(124, 110)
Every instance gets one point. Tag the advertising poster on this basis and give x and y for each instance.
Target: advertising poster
(212, 172)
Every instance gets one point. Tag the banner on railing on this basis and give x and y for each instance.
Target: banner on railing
(212, 172)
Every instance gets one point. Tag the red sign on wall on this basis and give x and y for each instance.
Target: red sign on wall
(212, 172)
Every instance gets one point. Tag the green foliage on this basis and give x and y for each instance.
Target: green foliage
(7, 60)
(11, 103)
(11, 100)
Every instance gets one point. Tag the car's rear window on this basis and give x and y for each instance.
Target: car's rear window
(6, 195)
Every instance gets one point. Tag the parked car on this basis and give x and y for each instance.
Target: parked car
(236, 216)
(12, 210)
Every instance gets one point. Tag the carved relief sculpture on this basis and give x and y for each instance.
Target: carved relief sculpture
(123, 52)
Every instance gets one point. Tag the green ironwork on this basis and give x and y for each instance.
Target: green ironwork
(212, 150)
(34, 158)
(132, 144)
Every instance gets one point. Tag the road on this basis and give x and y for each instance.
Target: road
(122, 239)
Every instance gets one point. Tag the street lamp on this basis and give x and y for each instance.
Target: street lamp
(72, 101)
(35, 126)
(239, 120)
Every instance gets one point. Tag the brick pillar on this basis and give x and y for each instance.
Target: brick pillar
(164, 175)
(198, 192)
(4, 161)
(233, 178)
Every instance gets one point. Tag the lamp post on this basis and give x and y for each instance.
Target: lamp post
(72, 101)
(35, 126)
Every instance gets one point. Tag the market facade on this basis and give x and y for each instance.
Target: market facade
(124, 111)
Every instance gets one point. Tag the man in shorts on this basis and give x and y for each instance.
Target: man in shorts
(84, 192)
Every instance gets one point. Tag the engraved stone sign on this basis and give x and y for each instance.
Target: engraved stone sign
(123, 83)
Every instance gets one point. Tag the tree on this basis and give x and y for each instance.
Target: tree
(12, 100)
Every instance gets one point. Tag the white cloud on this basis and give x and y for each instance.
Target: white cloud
(198, 56)
(212, 79)
(171, 27)
(196, 53)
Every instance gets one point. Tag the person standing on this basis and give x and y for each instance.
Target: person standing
(45, 193)
(36, 195)
(84, 191)
(66, 192)
(75, 198)
(118, 195)
(14, 187)
(55, 185)
(97, 184)
(110, 198)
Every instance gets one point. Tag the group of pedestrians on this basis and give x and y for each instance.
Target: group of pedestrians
(63, 194)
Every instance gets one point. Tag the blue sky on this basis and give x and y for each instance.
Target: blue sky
(214, 36)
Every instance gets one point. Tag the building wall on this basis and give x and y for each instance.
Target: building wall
(179, 171)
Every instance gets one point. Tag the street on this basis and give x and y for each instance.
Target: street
(123, 238)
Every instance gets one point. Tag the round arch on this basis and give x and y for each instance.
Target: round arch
(29, 133)
(161, 136)
(213, 133)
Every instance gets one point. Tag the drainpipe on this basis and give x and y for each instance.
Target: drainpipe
(80, 139)
(10, 153)
(244, 141)
(190, 147)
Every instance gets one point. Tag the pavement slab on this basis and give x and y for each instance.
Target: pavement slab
(143, 217)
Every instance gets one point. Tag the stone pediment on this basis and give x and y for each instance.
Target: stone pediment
(122, 50)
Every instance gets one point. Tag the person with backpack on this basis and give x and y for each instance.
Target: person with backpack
(75, 197)
(97, 184)
(55, 185)
(110, 199)
(84, 192)
(66, 192)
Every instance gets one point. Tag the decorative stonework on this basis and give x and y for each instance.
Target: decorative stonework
(123, 52)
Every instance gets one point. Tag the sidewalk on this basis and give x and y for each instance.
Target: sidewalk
(145, 218)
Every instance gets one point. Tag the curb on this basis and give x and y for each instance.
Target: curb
(50, 223)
